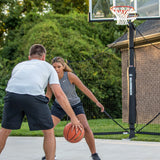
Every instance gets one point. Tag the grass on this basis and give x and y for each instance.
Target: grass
(98, 125)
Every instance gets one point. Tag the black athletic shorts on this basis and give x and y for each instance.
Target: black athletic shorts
(34, 107)
(58, 111)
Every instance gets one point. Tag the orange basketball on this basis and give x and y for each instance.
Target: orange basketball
(70, 134)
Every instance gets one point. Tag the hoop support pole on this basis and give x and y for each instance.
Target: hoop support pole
(132, 83)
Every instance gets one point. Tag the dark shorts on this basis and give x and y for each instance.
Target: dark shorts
(58, 111)
(34, 107)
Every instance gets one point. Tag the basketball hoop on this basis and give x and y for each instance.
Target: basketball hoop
(122, 14)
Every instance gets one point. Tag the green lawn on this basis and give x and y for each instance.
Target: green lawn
(98, 125)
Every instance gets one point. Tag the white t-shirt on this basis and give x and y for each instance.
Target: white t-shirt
(31, 77)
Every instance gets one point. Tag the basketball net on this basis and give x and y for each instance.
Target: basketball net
(122, 14)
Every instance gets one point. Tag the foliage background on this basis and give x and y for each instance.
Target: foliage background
(66, 32)
(79, 42)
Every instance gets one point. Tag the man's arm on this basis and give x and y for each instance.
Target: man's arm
(64, 103)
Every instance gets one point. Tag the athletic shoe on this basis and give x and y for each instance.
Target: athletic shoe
(44, 158)
(95, 156)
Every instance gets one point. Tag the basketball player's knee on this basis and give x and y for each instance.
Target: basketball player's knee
(48, 133)
(5, 132)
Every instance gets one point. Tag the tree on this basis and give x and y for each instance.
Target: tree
(66, 6)
(12, 13)
(79, 42)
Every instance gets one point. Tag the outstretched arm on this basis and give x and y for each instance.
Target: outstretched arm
(75, 80)
(64, 103)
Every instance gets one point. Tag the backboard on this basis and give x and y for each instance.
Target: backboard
(99, 10)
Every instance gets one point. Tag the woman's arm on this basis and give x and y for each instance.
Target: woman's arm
(75, 80)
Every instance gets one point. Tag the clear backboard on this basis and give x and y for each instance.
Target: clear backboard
(99, 10)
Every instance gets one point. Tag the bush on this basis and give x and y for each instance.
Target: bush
(4, 74)
(83, 45)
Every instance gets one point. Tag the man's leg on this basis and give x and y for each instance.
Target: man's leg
(4, 133)
(49, 144)
(56, 120)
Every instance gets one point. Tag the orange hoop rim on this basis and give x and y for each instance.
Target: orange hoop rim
(114, 8)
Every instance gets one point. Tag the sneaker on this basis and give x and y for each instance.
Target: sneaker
(95, 156)
(44, 158)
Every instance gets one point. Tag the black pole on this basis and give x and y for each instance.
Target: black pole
(132, 85)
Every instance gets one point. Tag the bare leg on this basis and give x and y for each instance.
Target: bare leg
(88, 133)
(49, 144)
(56, 120)
(45, 145)
(4, 133)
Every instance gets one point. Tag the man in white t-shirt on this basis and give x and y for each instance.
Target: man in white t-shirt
(25, 95)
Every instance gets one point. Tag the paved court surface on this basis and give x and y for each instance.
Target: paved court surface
(30, 148)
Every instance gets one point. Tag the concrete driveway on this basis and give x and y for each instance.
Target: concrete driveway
(30, 148)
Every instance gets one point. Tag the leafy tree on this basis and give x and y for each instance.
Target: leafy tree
(13, 11)
(4, 74)
(83, 44)
(66, 6)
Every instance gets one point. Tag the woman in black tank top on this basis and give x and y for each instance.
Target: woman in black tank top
(66, 76)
